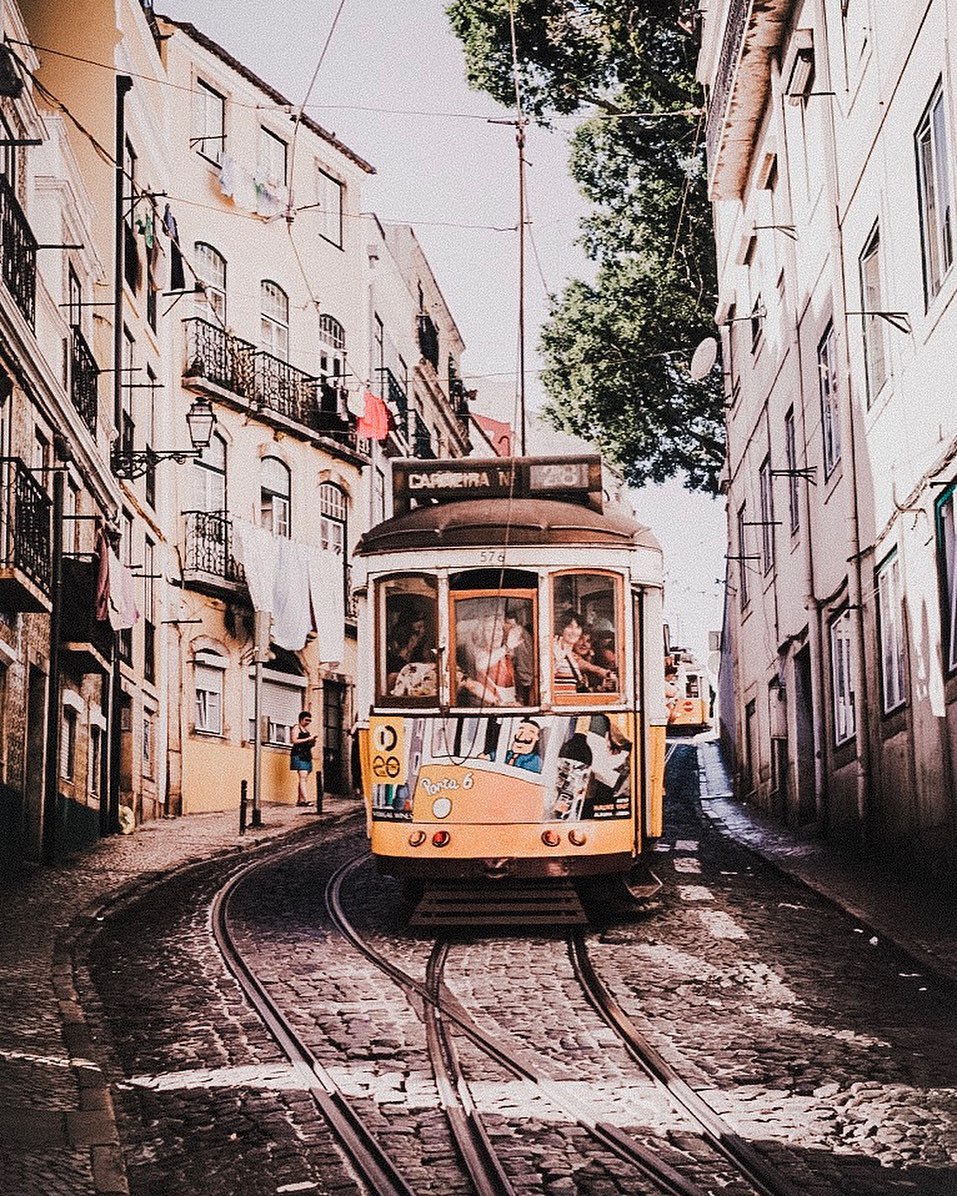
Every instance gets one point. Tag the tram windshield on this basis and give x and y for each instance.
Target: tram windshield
(494, 641)
(586, 636)
(408, 618)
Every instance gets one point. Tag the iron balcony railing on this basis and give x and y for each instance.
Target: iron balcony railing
(398, 399)
(84, 373)
(429, 339)
(352, 602)
(284, 389)
(209, 545)
(19, 246)
(224, 360)
(724, 77)
(25, 524)
(422, 440)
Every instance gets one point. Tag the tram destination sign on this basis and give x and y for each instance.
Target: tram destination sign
(572, 479)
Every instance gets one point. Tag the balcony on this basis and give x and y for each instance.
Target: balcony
(88, 641)
(208, 562)
(753, 33)
(26, 559)
(84, 375)
(282, 388)
(19, 247)
(422, 439)
(397, 399)
(212, 354)
(331, 418)
(429, 340)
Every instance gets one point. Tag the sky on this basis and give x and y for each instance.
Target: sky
(392, 87)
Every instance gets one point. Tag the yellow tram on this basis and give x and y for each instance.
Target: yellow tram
(511, 698)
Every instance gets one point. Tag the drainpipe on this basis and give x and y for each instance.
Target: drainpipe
(51, 779)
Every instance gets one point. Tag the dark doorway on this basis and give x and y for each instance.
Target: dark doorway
(33, 779)
(333, 727)
(804, 718)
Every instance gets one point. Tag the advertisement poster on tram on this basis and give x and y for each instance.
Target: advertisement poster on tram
(541, 768)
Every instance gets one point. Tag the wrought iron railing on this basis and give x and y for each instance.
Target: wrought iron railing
(395, 394)
(724, 77)
(209, 545)
(429, 339)
(84, 373)
(283, 389)
(422, 439)
(25, 523)
(19, 246)
(213, 354)
(352, 603)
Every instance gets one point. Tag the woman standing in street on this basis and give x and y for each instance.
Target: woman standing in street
(300, 757)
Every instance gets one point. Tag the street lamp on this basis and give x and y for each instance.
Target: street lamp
(200, 420)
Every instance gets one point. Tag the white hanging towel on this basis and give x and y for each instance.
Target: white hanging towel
(257, 550)
(292, 617)
(123, 612)
(356, 402)
(327, 592)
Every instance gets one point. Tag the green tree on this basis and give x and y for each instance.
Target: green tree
(616, 349)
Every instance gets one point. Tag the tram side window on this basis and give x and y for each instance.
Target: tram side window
(494, 636)
(586, 635)
(408, 610)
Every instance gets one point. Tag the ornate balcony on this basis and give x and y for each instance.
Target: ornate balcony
(19, 248)
(212, 354)
(84, 373)
(429, 340)
(208, 561)
(284, 389)
(25, 546)
(397, 398)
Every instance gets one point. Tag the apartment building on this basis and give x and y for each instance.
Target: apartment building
(830, 137)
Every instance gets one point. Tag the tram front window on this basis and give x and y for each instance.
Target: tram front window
(408, 618)
(586, 636)
(494, 650)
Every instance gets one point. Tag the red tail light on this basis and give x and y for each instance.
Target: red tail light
(440, 838)
(577, 838)
(417, 838)
(551, 838)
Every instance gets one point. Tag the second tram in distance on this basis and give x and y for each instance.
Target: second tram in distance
(511, 688)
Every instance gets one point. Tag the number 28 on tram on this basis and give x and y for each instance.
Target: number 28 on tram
(511, 696)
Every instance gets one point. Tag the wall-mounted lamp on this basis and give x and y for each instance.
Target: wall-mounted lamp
(200, 420)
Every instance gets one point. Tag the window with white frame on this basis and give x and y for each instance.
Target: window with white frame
(332, 349)
(329, 204)
(271, 167)
(742, 556)
(209, 477)
(947, 564)
(211, 270)
(933, 179)
(842, 678)
(281, 700)
(872, 300)
(830, 413)
(790, 451)
(274, 320)
(333, 512)
(891, 632)
(209, 122)
(209, 671)
(68, 726)
(766, 485)
(275, 496)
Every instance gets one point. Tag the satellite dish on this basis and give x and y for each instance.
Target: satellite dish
(703, 360)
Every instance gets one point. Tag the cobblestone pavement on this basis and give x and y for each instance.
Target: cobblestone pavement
(57, 1119)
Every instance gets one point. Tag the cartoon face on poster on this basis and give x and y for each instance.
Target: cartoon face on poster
(560, 768)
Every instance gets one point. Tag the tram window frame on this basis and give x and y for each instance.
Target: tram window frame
(523, 594)
(596, 696)
(384, 696)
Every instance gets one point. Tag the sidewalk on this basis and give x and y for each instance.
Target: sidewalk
(919, 920)
(57, 1130)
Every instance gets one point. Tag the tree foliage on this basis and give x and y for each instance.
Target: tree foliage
(617, 348)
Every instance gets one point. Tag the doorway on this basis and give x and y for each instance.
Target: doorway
(333, 727)
(804, 719)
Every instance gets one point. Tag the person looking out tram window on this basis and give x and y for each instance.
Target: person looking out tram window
(567, 675)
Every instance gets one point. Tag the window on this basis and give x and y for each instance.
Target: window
(211, 271)
(842, 678)
(127, 431)
(131, 248)
(407, 611)
(209, 477)
(149, 611)
(757, 324)
(272, 160)
(494, 638)
(74, 298)
(329, 202)
(208, 673)
(891, 633)
(934, 189)
(274, 321)
(332, 348)
(742, 556)
(947, 564)
(283, 696)
(209, 122)
(275, 499)
(587, 650)
(766, 484)
(875, 357)
(148, 752)
(96, 759)
(790, 450)
(68, 743)
(830, 415)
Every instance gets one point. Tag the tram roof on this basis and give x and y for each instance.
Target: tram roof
(517, 522)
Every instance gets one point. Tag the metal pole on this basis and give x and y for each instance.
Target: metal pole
(319, 791)
(261, 639)
(51, 780)
(243, 787)
(520, 139)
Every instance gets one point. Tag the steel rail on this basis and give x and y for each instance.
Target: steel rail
(670, 1181)
(715, 1131)
(374, 1166)
(471, 1138)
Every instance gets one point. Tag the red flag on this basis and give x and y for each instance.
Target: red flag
(373, 424)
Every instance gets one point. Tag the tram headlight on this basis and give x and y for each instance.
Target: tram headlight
(417, 838)
(551, 838)
(442, 807)
(577, 838)
(441, 839)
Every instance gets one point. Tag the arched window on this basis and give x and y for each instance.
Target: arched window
(275, 497)
(332, 348)
(274, 321)
(333, 508)
(209, 477)
(210, 268)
